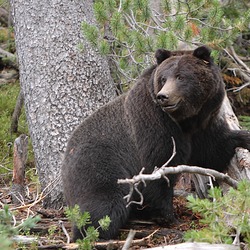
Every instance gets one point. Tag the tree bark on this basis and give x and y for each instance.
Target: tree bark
(61, 84)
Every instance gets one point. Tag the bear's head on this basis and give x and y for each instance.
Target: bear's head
(188, 85)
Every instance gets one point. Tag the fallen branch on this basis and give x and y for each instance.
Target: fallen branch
(7, 54)
(197, 245)
(113, 244)
(129, 240)
(9, 59)
(19, 162)
(241, 87)
(163, 171)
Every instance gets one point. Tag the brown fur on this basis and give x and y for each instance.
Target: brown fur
(180, 98)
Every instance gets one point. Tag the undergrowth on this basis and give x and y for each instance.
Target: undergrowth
(227, 217)
(8, 96)
(82, 221)
(9, 228)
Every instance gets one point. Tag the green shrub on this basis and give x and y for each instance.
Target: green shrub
(225, 216)
(89, 233)
(8, 229)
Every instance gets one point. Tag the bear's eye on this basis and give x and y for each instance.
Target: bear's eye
(163, 79)
(179, 78)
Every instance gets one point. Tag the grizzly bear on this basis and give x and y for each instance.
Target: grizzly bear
(179, 97)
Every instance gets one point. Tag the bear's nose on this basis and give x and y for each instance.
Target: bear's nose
(162, 97)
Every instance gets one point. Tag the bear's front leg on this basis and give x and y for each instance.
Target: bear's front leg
(157, 201)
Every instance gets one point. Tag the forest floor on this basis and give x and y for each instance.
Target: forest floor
(49, 234)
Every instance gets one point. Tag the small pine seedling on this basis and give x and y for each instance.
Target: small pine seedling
(82, 222)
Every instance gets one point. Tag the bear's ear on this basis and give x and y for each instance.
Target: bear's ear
(161, 55)
(203, 53)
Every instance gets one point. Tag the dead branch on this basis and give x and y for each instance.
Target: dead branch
(9, 59)
(7, 54)
(196, 246)
(241, 87)
(164, 171)
(4, 17)
(17, 113)
(19, 161)
(228, 115)
(244, 58)
(137, 242)
(237, 71)
(24, 239)
(39, 197)
(232, 51)
(129, 240)
(239, 167)
(64, 230)
(199, 172)
(238, 67)
(113, 244)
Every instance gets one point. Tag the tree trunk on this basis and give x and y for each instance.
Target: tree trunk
(61, 84)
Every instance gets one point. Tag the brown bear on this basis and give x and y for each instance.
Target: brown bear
(179, 97)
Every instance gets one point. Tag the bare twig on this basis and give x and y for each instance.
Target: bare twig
(129, 240)
(122, 242)
(173, 154)
(241, 87)
(238, 59)
(64, 230)
(238, 71)
(39, 197)
(7, 54)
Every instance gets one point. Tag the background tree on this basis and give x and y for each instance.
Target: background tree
(130, 31)
(63, 79)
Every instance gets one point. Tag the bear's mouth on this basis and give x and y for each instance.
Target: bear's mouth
(170, 107)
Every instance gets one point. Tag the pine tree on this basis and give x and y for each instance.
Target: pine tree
(129, 31)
